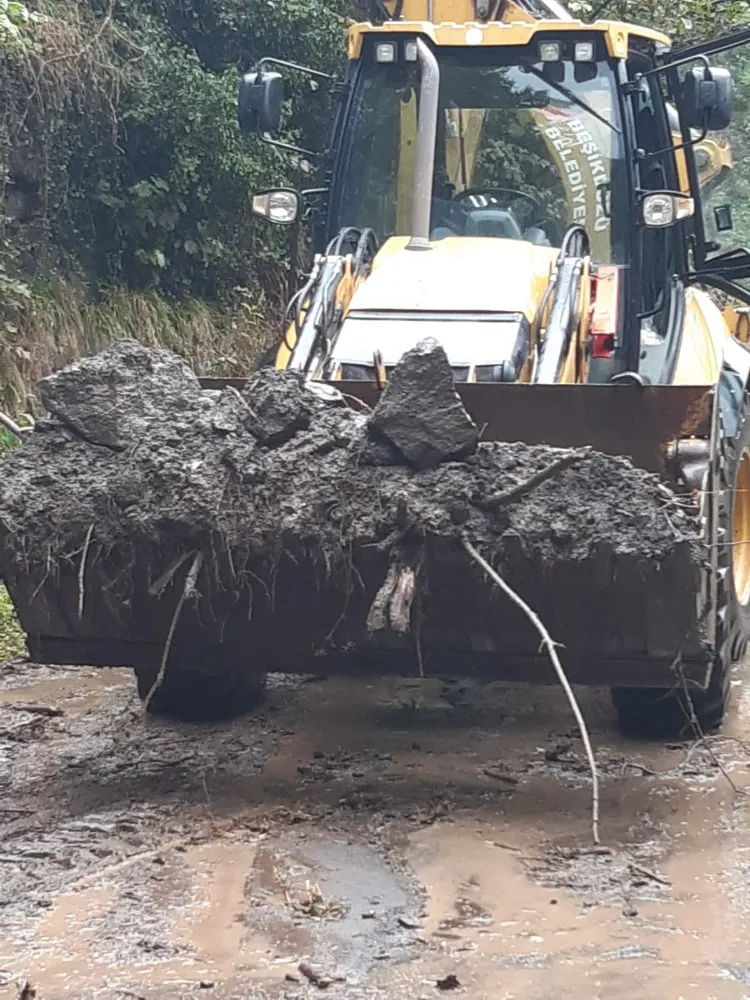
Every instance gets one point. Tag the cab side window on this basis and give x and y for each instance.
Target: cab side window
(657, 250)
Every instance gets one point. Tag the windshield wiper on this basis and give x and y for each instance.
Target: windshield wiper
(573, 98)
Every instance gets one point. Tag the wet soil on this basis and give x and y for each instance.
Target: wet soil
(149, 519)
(363, 840)
(137, 452)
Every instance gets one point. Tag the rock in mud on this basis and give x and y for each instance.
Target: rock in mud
(111, 399)
(280, 407)
(448, 983)
(229, 413)
(420, 412)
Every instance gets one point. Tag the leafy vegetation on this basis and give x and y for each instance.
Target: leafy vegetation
(123, 174)
(11, 637)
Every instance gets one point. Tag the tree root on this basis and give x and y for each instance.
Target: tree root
(393, 602)
(553, 469)
(187, 591)
(158, 587)
(82, 572)
(549, 645)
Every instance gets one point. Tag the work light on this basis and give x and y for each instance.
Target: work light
(549, 51)
(385, 52)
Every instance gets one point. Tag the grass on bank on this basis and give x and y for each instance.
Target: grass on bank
(58, 325)
(12, 642)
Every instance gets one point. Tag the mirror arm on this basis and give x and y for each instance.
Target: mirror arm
(673, 149)
(289, 147)
(630, 86)
(721, 44)
(269, 61)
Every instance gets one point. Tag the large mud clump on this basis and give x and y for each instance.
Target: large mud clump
(136, 456)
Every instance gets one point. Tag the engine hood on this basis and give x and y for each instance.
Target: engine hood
(458, 274)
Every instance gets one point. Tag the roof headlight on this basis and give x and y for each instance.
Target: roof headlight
(385, 52)
(583, 52)
(550, 51)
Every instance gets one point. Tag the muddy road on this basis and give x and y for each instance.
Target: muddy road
(363, 840)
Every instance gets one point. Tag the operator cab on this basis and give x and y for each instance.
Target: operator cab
(529, 141)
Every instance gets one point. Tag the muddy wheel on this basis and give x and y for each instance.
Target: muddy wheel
(192, 695)
(662, 714)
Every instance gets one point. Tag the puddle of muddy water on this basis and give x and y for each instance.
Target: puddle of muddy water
(412, 844)
(362, 898)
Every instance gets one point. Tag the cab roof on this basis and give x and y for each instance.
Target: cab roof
(616, 34)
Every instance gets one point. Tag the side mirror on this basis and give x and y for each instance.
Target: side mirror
(261, 96)
(280, 206)
(660, 209)
(707, 98)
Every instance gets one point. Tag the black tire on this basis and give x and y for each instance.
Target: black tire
(190, 695)
(660, 714)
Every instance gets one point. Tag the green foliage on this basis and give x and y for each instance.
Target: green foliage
(682, 20)
(120, 153)
(123, 175)
(12, 642)
(17, 26)
(120, 139)
(7, 441)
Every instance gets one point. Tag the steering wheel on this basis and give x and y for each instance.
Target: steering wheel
(494, 192)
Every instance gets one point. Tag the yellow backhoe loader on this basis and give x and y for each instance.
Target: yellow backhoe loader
(542, 198)
(527, 189)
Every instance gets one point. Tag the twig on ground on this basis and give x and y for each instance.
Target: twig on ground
(48, 710)
(700, 737)
(209, 810)
(187, 591)
(647, 873)
(549, 644)
(553, 469)
(82, 571)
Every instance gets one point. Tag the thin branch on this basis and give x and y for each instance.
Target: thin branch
(698, 732)
(14, 428)
(187, 591)
(549, 644)
(82, 571)
(355, 399)
(418, 635)
(158, 587)
(553, 469)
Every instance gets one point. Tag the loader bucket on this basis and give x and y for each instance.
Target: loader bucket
(299, 537)
(640, 422)
(637, 421)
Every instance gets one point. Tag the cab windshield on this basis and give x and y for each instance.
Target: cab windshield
(524, 149)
